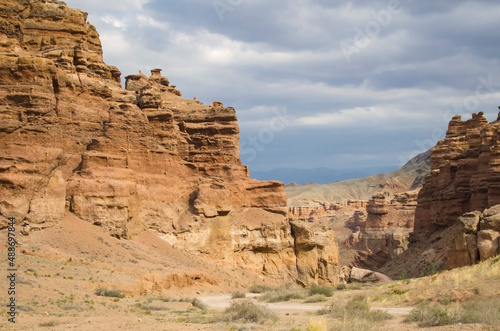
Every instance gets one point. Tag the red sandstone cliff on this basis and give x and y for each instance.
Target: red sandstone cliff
(72, 139)
(464, 174)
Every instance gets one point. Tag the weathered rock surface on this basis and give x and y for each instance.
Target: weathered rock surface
(464, 243)
(464, 180)
(464, 174)
(384, 233)
(72, 139)
(389, 223)
(358, 275)
(317, 253)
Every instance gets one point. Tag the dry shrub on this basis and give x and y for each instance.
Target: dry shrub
(247, 311)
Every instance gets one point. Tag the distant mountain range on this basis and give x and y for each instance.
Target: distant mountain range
(409, 177)
(318, 175)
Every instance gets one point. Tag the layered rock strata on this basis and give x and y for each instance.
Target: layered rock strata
(384, 233)
(318, 209)
(465, 174)
(73, 140)
(456, 219)
(389, 223)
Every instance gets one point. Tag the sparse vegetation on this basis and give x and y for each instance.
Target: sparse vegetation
(317, 324)
(316, 298)
(237, 295)
(477, 311)
(259, 289)
(355, 314)
(283, 294)
(247, 311)
(321, 289)
(49, 323)
(103, 292)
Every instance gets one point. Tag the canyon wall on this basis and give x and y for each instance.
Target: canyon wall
(465, 174)
(457, 220)
(73, 140)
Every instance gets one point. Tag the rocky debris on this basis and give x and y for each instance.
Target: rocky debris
(357, 275)
(73, 140)
(345, 274)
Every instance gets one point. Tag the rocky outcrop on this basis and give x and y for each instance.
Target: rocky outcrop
(358, 275)
(73, 140)
(456, 219)
(384, 233)
(473, 238)
(477, 238)
(464, 174)
(317, 253)
(389, 223)
(315, 209)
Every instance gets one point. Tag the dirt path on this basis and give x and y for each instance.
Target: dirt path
(223, 301)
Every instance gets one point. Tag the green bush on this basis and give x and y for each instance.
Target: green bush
(103, 292)
(321, 289)
(434, 315)
(356, 308)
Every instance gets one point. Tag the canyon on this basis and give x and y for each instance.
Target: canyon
(144, 159)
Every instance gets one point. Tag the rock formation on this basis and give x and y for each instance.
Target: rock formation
(456, 219)
(73, 140)
(477, 239)
(383, 233)
(389, 224)
(464, 174)
(317, 209)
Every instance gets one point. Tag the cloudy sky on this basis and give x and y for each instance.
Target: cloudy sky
(317, 83)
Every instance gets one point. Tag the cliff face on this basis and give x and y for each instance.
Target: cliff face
(72, 139)
(464, 174)
(456, 219)
(389, 223)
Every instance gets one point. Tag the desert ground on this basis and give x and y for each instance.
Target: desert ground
(74, 276)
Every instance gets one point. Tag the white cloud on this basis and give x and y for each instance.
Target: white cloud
(266, 54)
(115, 22)
(145, 21)
(96, 6)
